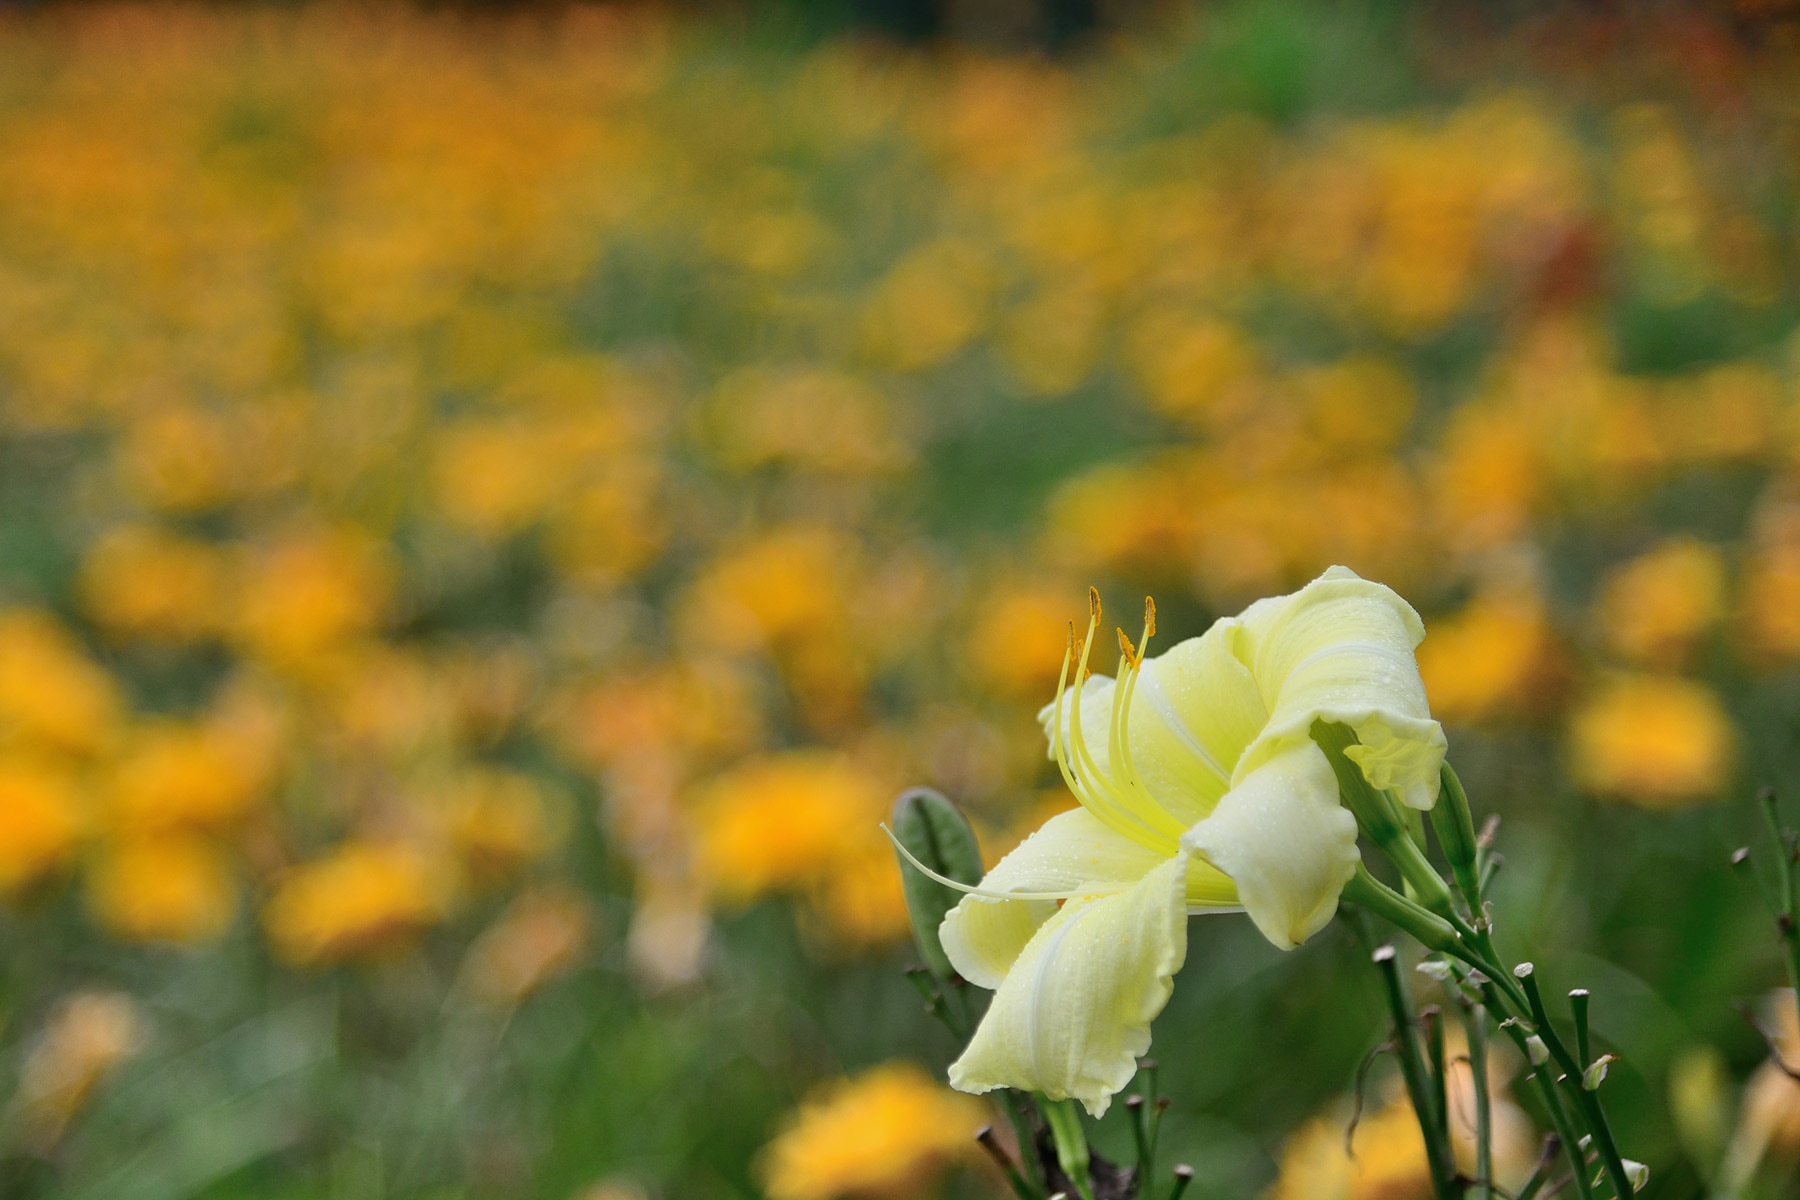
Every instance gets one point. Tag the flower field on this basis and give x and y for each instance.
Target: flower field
(495, 505)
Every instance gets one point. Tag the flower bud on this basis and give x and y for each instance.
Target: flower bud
(934, 831)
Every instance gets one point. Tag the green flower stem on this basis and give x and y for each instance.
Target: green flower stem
(1434, 1045)
(1379, 818)
(1023, 1134)
(1426, 927)
(1544, 1076)
(1504, 999)
(1022, 1188)
(1071, 1144)
(1787, 919)
(1589, 1104)
(1134, 1114)
(1476, 1023)
(1420, 1088)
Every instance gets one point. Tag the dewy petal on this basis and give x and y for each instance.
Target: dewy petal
(1195, 709)
(1074, 1013)
(1071, 852)
(1341, 649)
(1285, 841)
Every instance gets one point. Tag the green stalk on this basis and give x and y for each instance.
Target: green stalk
(1787, 920)
(1377, 817)
(1589, 1104)
(1544, 1075)
(991, 1144)
(1134, 1114)
(1430, 930)
(1071, 1144)
(1024, 1135)
(1419, 1086)
(1476, 1021)
(1434, 1045)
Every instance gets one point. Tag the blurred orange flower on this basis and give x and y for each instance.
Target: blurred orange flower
(363, 900)
(172, 887)
(882, 1133)
(51, 694)
(1494, 659)
(42, 821)
(1654, 608)
(784, 821)
(1658, 741)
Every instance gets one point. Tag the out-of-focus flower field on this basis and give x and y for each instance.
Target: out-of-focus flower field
(494, 506)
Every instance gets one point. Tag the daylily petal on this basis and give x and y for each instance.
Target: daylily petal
(1074, 1013)
(1073, 851)
(1195, 708)
(1341, 649)
(1285, 841)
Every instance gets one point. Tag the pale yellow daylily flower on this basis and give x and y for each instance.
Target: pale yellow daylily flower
(1201, 790)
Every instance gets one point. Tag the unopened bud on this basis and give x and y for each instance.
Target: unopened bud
(1456, 832)
(934, 831)
(1595, 1075)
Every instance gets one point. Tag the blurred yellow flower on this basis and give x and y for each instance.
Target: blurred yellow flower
(499, 823)
(808, 417)
(612, 526)
(1389, 1164)
(860, 902)
(1387, 1160)
(1768, 1121)
(1199, 371)
(540, 935)
(1493, 659)
(308, 592)
(1018, 638)
(178, 459)
(780, 587)
(139, 581)
(42, 821)
(51, 694)
(171, 887)
(784, 821)
(363, 900)
(882, 1134)
(173, 774)
(1052, 342)
(87, 1035)
(1771, 604)
(1727, 413)
(1655, 740)
(1358, 405)
(929, 305)
(1653, 609)
(1489, 476)
(493, 477)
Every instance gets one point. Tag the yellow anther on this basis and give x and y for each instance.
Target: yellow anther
(1126, 648)
(1149, 617)
(1094, 605)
